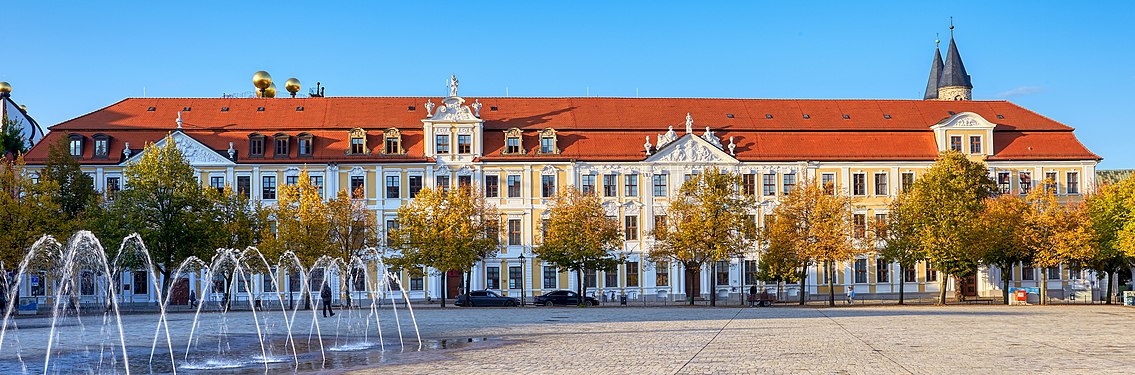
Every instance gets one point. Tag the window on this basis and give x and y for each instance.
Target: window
(291, 180)
(391, 226)
(752, 269)
(880, 225)
(415, 185)
(909, 274)
(661, 274)
(514, 277)
(827, 180)
(630, 227)
(464, 144)
(102, 146)
(632, 274)
(974, 144)
(881, 184)
(113, 185)
(464, 181)
(587, 184)
(1073, 183)
(861, 271)
(631, 185)
(317, 182)
(551, 277)
(858, 184)
(513, 232)
(1025, 182)
(492, 186)
(281, 150)
(358, 187)
(956, 143)
(547, 145)
(882, 271)
(789, 183)
(768, 184)
(859, 225)
(749, 184)
(931, 273)
(256, 145)
(268, 187)
(722, 275)
(243, 185)
(442, 183)
(611, 278)
(416, 283)
(393, 187)
(76, 145)
(305, 142)
(907, 180)
(1053, 273)
(216, 182)
(590, 279)
(547, 186)
(392, 142)
(1028, 273)
(659, 221)
(442, 143)
(1050, 182)
(1004, 184)
(513, 182)
(610, 185)
(660, 185)
(512, 144)
(492, 277)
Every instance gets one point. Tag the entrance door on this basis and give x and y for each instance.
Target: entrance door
(969, 289)
(180, 294)
(693, 283)
(453, 284)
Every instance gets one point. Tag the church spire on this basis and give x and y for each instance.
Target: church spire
(954, 83)
(935, 73)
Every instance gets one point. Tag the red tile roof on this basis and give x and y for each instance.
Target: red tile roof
(592, 129)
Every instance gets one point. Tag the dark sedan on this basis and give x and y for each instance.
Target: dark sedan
(485, 298)
(563, 297)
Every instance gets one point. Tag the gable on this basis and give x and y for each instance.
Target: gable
(690, 148)
(197, 153)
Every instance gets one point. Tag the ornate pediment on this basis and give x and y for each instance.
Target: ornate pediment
(197, 153)
(964, 120)
(691, 148)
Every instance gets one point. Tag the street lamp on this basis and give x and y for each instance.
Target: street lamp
(522, 272)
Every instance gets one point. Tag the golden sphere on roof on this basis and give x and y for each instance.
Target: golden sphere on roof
(292, 85)
(5, 87)
(24, 108)
(270, 92)
(261, 80)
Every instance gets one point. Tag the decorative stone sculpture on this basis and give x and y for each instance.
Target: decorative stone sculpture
(476, 107)
(232, 152)
(647, 145)
(126, 150)
(732, 146)
(670, 136)
(430, 107)
(712, 139)
(689, 123)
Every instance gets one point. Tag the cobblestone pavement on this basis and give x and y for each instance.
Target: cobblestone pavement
(855, 340)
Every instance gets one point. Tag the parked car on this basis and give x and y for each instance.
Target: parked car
(563, 297)
(483, 298)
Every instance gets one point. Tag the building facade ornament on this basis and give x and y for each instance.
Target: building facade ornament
(670, 136)
(126, 150)
(647, 145)
(453, 85)
(476, 107)
(689, 123)
(232, 152)
(430, 107)
(357, 171)
(732, 146)
(195, 152)
(712, 139)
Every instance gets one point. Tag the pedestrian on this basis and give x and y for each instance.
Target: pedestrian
(325, 295)
(752, 295)
(192, 299)
(850, 294)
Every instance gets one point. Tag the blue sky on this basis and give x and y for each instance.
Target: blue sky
(1069, 61)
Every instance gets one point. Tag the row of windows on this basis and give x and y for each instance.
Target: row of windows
(974, 144)
(102, 145)
(281, 145)
(1025, 182)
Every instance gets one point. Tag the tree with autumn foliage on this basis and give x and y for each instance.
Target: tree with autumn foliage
(707, 221)
(26, 210)
(818, 222)
(1002, 235)
(947, 202)
(1112, 211)
(1055, 233)
(354, 228)
(579, 235)
(899, 240)
(447, 230)
(780, 260)
(303, 226)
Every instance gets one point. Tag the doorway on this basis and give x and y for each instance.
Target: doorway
(453, 285)
(693, 283)
(969, 286)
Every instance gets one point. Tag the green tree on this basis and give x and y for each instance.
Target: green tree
(1002, 225)
(1056, 233)
(818, 221)
(709, 220)
(899, 239)
(11, 140)
(74, 189)
(579, 236)
(780, 260)
(1112, 210)
(947, 202)
(27, 210)
(353, 229)
(447, 230)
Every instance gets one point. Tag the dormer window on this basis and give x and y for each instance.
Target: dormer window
(102, 146)
(256, 145)
(358, 142)
(548, 142)
(512, 144)
(305, 142)
(76, 145)
(281, 150)
(392, 142)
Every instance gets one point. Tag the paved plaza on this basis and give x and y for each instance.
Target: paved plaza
(856, 340)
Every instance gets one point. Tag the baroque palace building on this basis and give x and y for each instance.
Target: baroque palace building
(634, 153)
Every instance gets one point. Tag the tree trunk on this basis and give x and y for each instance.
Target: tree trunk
(579, 286)
(1043, 286)
(942, 279)
(1005, 282)
(713, 284)
(1110, 276)
(902, 282)
(830, 266)
(468, 280)
(690, 288)
(444, 288)
(804, 285)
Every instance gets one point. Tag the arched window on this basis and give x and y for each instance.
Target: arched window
(76, 145)
(102, 146)
(281, 142)
(305, 143)
(256, 145)
(392, 142)
(548, 142)
(358, 144)
(512, 142)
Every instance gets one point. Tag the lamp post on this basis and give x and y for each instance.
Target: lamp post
(523, 270)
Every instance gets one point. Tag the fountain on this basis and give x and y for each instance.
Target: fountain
(246, 317)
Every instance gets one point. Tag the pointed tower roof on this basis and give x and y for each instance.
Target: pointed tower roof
(935, 75)
(954, 72)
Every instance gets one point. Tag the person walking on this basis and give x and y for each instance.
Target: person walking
(851, 295)
(752, 295)
(192, 299)
(325, 295)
